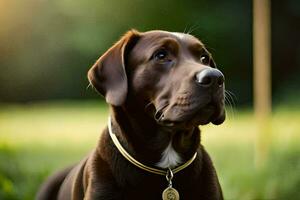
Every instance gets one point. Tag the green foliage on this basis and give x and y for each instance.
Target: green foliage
(48, 46)
(38, 139)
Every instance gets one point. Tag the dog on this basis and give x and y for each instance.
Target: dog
(160, 87)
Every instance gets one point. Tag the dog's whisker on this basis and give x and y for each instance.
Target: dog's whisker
(229, 103)
(228, 108)
(88, 86)
(231, 92)
(193, 28)
(190, 29)
(185, 29)
(231, 96)
(228, 100)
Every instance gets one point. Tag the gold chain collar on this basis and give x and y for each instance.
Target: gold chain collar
(139, 164)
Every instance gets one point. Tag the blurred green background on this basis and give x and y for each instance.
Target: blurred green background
(49, 118)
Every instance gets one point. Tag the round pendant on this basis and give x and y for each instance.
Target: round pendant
(170, 194)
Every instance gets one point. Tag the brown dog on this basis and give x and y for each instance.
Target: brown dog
(160, 86)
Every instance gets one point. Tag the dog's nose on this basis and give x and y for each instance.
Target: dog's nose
(210, 78)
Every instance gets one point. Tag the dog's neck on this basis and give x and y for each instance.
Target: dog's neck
(151, 143)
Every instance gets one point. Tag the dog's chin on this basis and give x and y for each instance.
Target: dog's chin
(214, 114)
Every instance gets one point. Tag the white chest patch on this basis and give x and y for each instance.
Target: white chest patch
(170, 158)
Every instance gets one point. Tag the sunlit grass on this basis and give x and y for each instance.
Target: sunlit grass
(37, 139)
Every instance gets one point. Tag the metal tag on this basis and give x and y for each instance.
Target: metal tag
(170, 194)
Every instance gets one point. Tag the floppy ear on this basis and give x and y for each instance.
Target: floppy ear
(108, 74)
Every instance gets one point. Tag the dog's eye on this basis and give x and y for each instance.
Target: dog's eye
(160, 54)
(204, 59)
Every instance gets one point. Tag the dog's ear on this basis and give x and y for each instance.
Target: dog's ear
(108, 74)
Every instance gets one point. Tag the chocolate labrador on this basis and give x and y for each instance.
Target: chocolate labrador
(160, 87)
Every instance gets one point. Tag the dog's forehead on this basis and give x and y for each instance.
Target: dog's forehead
(153, 37)
(152, 40)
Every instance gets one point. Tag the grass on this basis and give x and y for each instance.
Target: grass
(38, 139)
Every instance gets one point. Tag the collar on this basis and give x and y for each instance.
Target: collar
(127, 156)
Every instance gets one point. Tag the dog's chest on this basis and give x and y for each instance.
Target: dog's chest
(169, 158)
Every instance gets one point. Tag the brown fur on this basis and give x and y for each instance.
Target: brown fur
(154, 98)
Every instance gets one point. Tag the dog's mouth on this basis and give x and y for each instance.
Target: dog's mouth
(195, 115)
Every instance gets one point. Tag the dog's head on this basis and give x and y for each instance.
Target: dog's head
(171, 76)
